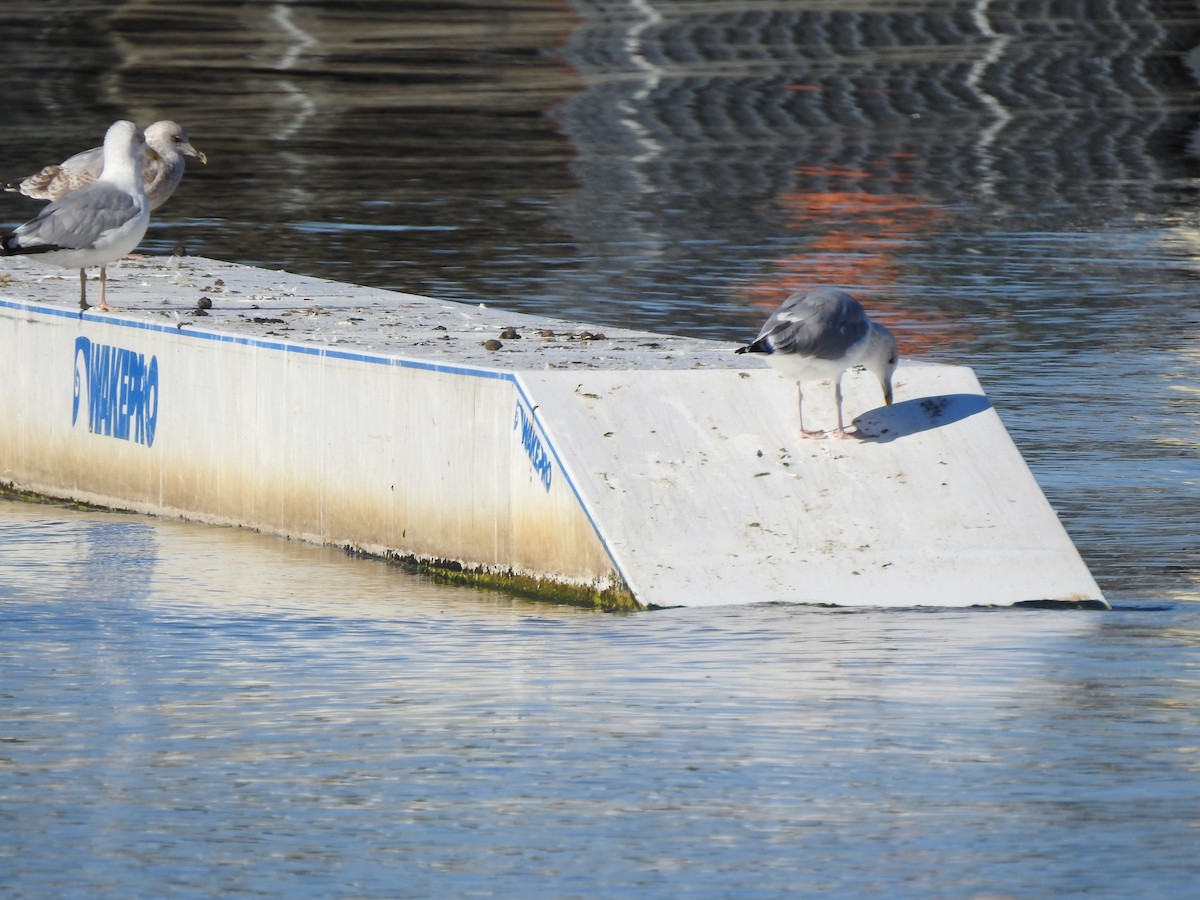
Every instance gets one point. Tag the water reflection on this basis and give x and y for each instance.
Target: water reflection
(272, 717)
(631, 162)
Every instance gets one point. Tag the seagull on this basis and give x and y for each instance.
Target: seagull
(96, 224)
(162, 175)
(819, 334)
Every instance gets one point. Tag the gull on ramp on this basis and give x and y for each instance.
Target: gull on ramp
(98, 223)
(817, 335)
(162, 175)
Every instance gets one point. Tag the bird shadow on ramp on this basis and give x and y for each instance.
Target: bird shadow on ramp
(908, 417)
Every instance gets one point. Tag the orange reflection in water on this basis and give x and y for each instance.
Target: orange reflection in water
(855, 240)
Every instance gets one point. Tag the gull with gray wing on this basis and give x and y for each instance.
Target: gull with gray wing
(817, 335)
(162, 174)
(96, 224)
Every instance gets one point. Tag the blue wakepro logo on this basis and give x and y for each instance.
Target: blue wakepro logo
(116, 390)
(538, 457)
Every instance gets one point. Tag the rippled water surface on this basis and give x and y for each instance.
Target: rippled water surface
(1010, 186)
(206, 711)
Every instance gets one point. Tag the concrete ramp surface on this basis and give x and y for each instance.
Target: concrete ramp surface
(705, 494)
(619, 469)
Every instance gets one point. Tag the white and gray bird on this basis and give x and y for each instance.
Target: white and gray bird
(96, 224)
(817, 335)
(162, 175)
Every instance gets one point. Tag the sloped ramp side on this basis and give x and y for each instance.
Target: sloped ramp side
(705, 495)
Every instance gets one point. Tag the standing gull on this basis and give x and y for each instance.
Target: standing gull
(819, 334)
(96, 224)
(161, 175)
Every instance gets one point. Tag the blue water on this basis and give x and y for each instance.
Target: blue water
(207, 712)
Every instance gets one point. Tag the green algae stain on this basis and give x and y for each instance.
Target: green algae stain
(608, 599)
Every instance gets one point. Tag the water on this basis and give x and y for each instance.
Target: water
(202, 712)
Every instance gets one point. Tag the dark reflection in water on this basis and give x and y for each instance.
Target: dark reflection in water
(1009, 185)
(646, 162)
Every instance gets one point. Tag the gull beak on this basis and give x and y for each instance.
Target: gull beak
(887, 391)
(150, 154)
(191, 152)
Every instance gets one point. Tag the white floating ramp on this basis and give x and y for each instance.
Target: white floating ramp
(625, 469)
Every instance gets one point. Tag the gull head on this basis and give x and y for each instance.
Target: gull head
(881, 357)
(171, 141)
(124, 146)
(121, 136)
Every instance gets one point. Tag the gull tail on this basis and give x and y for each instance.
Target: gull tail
(9, 247)
(759, 346)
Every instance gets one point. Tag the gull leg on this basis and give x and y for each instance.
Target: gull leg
(805, 435)
(83, 304)
(840, 431)
(103, 283)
